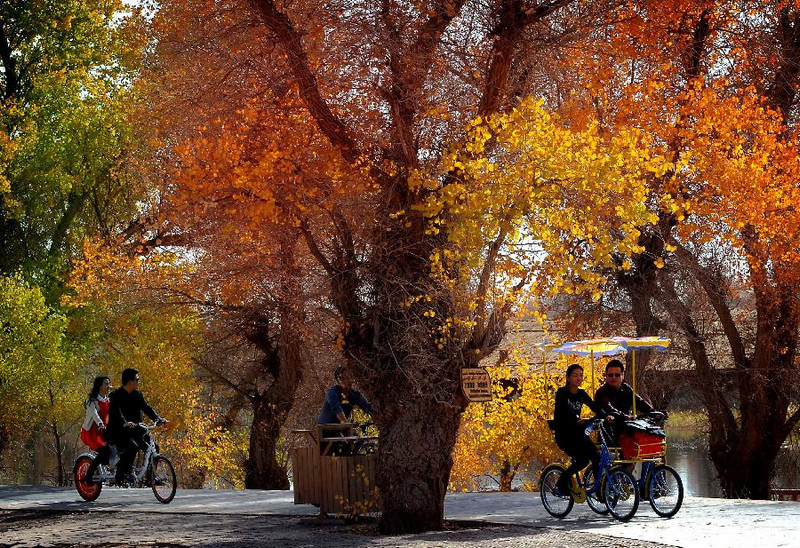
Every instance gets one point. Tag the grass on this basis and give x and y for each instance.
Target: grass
(687, 427)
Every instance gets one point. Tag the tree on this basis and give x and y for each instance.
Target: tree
(716, 84)
(384, 154)
(31, 345)
(62, 107)
(65, 99)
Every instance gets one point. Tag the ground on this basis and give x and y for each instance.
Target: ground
(56, 516)
(23, 528)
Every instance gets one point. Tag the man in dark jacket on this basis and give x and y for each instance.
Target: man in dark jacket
(341, 398)
(337, 408)
(124, 415)
(615, 396)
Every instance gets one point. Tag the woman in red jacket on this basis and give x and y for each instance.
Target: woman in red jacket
(95, 422)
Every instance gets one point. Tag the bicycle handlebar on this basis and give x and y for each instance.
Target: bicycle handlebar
(153, 426)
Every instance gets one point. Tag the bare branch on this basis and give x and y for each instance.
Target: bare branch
(713, 288)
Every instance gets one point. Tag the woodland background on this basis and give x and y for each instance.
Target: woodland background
(236, 196)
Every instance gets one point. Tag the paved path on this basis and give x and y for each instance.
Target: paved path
(702, 522)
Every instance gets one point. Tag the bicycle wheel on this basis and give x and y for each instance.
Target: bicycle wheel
(596, 500)
(622, 494)
(88, 490)
(665, 491)
(165, 482)
(557, 505)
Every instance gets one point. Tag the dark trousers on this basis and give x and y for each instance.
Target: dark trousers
(582, 450)
(128, 443)
(103, 454)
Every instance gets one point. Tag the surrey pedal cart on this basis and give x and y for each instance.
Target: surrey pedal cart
(642, 445)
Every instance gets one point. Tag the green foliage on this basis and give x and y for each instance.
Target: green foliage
(31, 349)
(63, 129)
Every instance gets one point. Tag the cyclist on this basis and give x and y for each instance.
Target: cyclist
(570, 429)
(340, 399)
(124, 415)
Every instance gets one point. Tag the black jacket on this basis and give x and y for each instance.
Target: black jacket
(567, 412)
(619, 400)
(126, 407)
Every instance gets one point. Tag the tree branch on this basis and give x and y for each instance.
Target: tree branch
(514, 17)
(219, 376)
(316, 251)
(75, 201)
(410, 68)
(719, 411)
(782, 92)
(712, 285)
(9, 65)
(481, 326)
(292, 45)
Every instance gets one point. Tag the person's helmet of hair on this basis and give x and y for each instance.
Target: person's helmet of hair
(128, 375)
(337, 373)
(572, 368)
(615, 363)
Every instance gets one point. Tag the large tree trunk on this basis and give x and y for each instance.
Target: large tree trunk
(263, 470)
(414, 464)
(744, 451)
(745, 470)
(283, 364)
(745, 458)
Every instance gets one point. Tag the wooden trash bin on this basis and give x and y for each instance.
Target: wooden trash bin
(336, 484)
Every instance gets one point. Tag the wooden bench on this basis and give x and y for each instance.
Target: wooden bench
(784, 494)
(342, 485)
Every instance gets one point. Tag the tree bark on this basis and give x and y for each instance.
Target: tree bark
(57, 446)
(507, 473)
(414, 464)
(263, 470)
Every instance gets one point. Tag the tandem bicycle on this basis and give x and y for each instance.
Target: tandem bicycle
(154, 470)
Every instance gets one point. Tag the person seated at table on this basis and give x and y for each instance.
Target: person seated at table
(570, 429)
(341, 398)
(615, 397)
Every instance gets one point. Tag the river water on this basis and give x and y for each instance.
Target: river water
(700, 478)
(696, 471)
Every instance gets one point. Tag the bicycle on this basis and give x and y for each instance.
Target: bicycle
(347, 439)
(156, 471)
(620, 494)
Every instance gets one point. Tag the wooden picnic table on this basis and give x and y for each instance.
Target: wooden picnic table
(341, 483)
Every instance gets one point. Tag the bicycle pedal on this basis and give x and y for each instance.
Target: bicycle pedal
(578, 494)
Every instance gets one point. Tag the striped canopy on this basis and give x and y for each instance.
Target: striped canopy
(606, 347)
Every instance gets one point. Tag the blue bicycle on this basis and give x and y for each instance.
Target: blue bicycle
(615, 490)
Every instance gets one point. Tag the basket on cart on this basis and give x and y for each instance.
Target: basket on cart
(642, 440)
